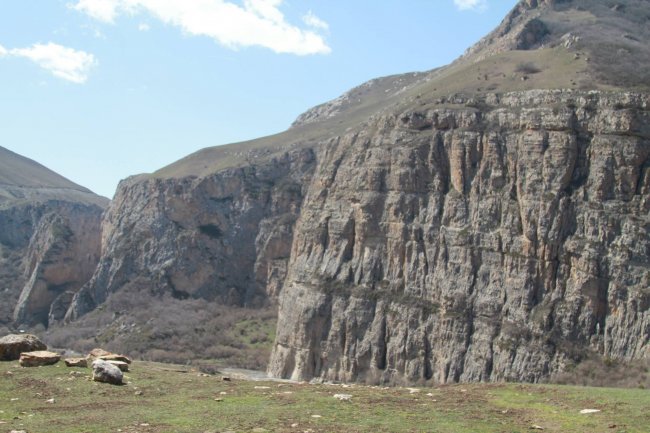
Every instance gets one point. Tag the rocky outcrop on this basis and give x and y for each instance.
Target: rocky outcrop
(49, 240)
(224, 237)
(501, 239)
(60, 258)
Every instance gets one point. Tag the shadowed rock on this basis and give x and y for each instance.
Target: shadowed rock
(11, 346)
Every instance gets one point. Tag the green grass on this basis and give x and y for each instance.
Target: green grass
(176, 399)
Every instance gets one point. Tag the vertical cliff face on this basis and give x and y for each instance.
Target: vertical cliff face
(60, 258)
(498, 238)
(225, 237)
(49, 240)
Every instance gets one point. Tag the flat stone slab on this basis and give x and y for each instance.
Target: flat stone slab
(123, 366)
(39, 358)
(115, 357)
(76, 362)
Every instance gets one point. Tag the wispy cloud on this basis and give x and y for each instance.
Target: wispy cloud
(313, 21)
(465, 5)
(255, 23)
(144, 27)
(63, 62)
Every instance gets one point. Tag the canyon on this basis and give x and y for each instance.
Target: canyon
(483, 221)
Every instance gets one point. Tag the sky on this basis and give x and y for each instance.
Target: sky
(99, 90)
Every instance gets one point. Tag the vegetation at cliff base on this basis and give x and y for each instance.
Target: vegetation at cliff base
(167, 398)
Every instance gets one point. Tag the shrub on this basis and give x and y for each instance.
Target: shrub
(527, 68)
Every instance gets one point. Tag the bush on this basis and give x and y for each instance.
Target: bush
(171, 330)
(527, 68)
(606, 372)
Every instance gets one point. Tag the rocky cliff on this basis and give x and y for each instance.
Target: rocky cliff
(500, 233)
(224, 237)
(49, 241)
(460, 243)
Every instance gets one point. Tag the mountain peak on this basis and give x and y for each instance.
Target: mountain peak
(598, 31)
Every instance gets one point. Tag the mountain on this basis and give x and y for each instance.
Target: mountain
(49, 240)
(487, 220)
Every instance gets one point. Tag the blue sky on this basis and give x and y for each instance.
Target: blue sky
(99, 90)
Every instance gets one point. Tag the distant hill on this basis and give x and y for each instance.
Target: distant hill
(24, 179)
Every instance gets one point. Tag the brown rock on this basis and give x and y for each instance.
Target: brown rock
(76, 362)
(123, 366)
(97, 353)
(114, 357)
(39, 358)
(11, 346)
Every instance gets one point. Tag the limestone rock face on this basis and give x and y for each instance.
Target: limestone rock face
(11, 346)
(224, 237)
(60, 258)
(492, 239)
(49, 240)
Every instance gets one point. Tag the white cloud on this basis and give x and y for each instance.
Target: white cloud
(62, 62)
(477, 5)
(103, 10)
(3, 51)
(255, 23)
(313, 21)
(144, 27)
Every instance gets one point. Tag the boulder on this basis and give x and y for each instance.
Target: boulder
(114, 357)
(107, 356)
(76, 362)
(39, 358)
(97, 353)
(123, 366)
(11, 346)
(104, 371)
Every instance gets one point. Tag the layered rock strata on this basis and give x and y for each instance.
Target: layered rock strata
(494, 238)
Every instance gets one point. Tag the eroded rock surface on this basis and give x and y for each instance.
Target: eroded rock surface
(49, 240)
(224, 237)
(461, 243)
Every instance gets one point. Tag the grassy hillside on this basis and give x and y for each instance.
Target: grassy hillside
(164, 398)
(17, 170)
(582, 44)
(23, 180)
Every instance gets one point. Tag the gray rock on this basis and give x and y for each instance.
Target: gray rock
(11, 346)
(504, 244)
(104, 371)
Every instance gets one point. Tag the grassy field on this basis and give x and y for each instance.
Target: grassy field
(166, 398)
